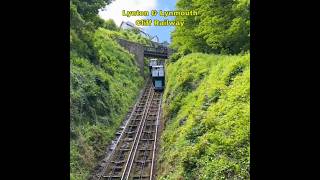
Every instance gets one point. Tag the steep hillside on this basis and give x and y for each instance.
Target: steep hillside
(104, 81)
(101, 93)
(206, 109)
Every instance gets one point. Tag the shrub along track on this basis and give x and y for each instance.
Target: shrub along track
(135, 152)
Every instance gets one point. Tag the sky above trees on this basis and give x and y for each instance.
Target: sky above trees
(114, 11)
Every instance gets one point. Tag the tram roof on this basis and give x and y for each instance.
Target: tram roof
(158, 66)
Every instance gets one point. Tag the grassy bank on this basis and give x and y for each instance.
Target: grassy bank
(102, 90)
(206, 109)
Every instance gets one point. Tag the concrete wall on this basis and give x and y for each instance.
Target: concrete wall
(136, 49)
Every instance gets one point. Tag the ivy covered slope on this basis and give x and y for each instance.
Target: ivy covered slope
(101, 93)
(206, 108)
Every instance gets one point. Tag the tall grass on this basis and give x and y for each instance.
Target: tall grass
(206, 108)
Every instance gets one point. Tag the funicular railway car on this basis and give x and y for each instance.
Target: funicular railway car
(158, 77)
(152, 62)
(157, 74)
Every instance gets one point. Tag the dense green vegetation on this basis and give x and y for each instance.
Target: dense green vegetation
(206, 108)
(206, 105)
(223, 26)
(104, 83)
(101, 93)
(206, 101)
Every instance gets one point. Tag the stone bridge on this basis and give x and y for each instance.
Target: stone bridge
(140, 51)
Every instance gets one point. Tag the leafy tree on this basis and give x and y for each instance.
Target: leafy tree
(84, 20)
(111, 25)
(222, 26)
(89, 9)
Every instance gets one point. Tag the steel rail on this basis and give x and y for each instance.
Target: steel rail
(139, 130)
(112, 152)
(148, 90)
(156, 99)
(155, 141)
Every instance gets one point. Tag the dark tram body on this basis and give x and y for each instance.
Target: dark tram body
(157, 74)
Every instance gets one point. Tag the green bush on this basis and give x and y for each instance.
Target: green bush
(206, 108)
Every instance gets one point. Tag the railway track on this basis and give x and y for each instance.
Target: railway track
(134, 155)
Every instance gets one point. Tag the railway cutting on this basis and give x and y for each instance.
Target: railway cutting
(133, 156)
